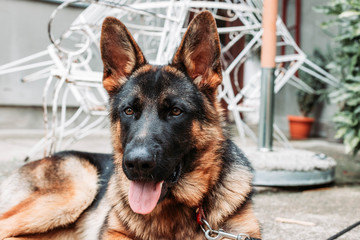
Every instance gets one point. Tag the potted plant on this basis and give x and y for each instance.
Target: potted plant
(300, 126)
(346, 66)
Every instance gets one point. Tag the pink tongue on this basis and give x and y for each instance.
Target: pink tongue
(143, 196)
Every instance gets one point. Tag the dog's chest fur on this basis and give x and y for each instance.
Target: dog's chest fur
(168, 219)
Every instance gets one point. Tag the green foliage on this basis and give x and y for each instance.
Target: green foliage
(346, 65)
(305, 100)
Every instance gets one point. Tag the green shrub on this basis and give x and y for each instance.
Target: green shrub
(346, 66)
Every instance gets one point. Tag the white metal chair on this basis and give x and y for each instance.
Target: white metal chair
(157, 27)
(287, 65)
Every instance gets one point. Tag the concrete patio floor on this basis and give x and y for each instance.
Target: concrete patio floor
(318, 212)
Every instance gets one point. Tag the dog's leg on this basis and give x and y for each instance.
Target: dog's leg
(52, 193)
(58, 234)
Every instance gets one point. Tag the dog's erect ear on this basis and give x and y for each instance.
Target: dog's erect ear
(119, 52)
(199, 53)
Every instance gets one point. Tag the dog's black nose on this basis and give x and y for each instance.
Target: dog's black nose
(139, 162)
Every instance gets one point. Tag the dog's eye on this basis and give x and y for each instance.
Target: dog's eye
(129, 111)
(175, 111)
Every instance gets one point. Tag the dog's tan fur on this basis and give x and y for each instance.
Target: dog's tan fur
(48, 204)
(54, 197)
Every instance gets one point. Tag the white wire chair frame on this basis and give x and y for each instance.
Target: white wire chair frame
(70, 71)
(158, 27)
(287, 66)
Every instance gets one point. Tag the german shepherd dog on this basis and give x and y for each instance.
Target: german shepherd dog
(172, 165)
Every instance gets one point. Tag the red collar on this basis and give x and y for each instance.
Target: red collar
(200, 215)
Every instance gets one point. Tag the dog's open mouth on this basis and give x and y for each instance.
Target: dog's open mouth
(144, 195)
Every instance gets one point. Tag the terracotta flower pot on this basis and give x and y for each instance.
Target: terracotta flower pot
(300, 126)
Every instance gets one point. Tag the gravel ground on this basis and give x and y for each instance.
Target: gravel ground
(321, 213)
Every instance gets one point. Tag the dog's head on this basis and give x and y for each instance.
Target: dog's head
(156, 111)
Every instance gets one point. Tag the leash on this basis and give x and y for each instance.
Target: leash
(344, 231)
(211, 234)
